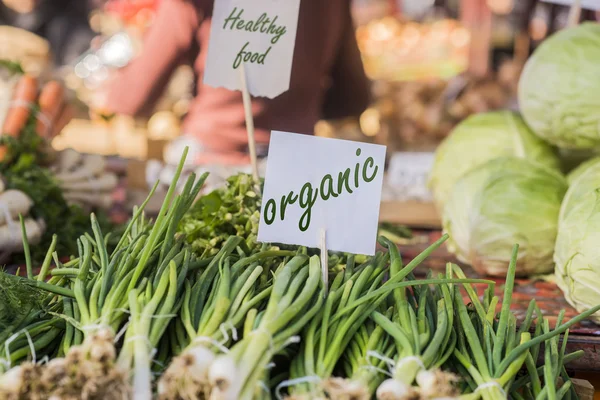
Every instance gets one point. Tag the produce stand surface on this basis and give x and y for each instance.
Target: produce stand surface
(583, 336)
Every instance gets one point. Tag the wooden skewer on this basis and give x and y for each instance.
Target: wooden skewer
(574, 14)
(324, 259)
(249, 127)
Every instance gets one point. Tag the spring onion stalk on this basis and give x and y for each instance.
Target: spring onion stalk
(326, 338)
(213, 311)
(421, 327)
(296, 296)
(101, 285)
(481, 358)
(365, 362)
(490, 352)
(28, 327)
(151, 310)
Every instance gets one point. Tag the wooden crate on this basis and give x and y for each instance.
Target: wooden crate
(410, 213)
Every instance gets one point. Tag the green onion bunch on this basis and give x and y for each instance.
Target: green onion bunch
(492, 352)
(216, 302)
(156, 317)
(327, 337)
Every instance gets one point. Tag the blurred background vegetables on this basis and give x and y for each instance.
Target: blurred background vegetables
(31, 114)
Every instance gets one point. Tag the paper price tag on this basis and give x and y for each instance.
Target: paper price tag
(314, 184)
(587, 4)
(408, 173)
(262, 35)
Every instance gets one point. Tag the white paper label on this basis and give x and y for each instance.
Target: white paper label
(588, 4)
(261, 34)
(407, 175)
(315, 183)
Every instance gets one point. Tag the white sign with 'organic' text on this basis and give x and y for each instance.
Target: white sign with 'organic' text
(260, 34)
(315, 183)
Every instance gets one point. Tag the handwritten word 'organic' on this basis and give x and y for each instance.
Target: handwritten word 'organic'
(347, 181)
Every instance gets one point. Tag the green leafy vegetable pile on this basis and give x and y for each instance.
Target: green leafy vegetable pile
(231, 210)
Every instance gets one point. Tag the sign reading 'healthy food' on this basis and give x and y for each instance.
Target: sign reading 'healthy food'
(260, 34)
(314, 183)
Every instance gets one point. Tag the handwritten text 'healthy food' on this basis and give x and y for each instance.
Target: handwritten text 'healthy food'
(263, 24)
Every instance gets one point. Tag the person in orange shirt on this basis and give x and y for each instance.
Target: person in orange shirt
(327, 79)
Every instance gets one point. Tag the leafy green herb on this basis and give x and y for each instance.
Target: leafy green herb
(230, 211)
(12, 67)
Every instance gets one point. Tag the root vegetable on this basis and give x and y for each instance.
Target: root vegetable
(24, 94)
(103, 183)
(50, 102)
(10, 235)
(65, 116)
(12, 203)
(16, 117)
(91, 199)
(392, 389)
(7, 87)
(92, 165)
(68, 159)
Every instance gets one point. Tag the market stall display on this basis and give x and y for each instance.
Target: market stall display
(183, 302)
(488, 200)
(422, 113)
(228, 323)
(15, 203)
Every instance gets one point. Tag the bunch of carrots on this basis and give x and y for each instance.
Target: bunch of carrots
(47, 102)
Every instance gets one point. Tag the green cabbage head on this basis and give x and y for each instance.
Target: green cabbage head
(577, 251)
(481, 138)
(501, 203)
(560, 85)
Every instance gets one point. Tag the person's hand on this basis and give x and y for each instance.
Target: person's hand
(21, 6)
(99, 107)
(199, 155)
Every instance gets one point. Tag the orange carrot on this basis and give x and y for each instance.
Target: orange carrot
(24, 95)
(50, 101)
(64, 117)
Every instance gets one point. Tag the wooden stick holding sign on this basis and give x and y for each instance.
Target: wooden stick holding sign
(249, 126)
(574, 14)
(324, 259)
